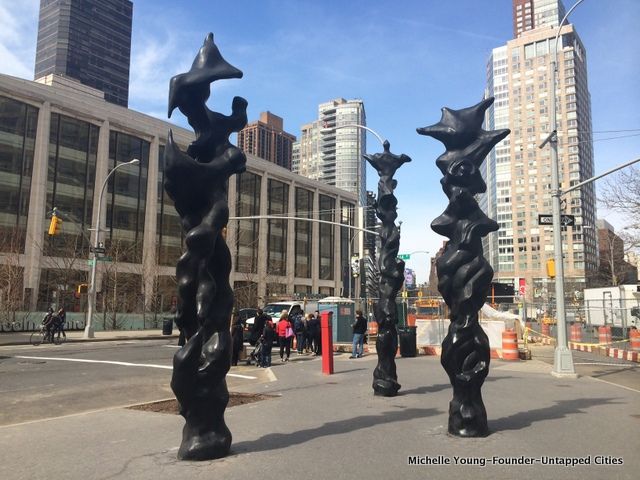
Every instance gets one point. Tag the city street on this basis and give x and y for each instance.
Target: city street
(611, 370)
(53, 381)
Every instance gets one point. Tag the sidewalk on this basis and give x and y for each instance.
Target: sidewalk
(329, 427)
(22, 338)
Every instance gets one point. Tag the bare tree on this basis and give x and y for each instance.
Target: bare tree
(11, 274)
(621, 194)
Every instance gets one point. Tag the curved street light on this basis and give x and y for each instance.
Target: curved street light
(91, 297)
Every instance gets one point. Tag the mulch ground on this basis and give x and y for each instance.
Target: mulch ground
(171, 406)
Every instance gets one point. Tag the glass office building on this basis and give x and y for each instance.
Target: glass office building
(57, 146)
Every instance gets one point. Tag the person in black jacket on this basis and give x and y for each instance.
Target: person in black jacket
(258, 326)
(313, 325)
(237, 331)
(268, 336)
(359, 329)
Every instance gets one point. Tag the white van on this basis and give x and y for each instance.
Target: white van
(274, 310)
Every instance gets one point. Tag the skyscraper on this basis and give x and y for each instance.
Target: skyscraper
(518, 171)
(265, 138)
(89, 41)
(331, 153)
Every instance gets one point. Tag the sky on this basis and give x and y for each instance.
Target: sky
(405, 59)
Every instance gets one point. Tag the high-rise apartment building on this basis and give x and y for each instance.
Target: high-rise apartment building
(89, 41)
(331, 153)
(266, 138)
(518, 171)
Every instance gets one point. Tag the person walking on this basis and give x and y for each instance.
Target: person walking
(259, 322)
(298, 328)
(314, 333)
(359, 329)
(268, 336)
(237, 331)
(285, 333)
(62, 320)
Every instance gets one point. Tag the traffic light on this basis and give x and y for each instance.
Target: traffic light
(551, 268)
(82, 288)
(55, 225)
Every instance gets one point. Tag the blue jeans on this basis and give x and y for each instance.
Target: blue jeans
(300, 341)
(358, 342)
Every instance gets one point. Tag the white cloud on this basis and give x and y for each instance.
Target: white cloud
(18, 36)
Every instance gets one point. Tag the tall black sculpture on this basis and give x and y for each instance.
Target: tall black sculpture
(463, 273)
(198, 183)
(385, 379)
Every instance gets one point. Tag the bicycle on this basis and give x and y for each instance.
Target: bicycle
(42, 336)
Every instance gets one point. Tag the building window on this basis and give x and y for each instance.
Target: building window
(169, 233)
(126, 197)
(303, 233)
(73, 149)
(248, 205)
(327, 213)
(17, 140)
(278, 205)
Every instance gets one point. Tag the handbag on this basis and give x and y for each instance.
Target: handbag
(289, 332)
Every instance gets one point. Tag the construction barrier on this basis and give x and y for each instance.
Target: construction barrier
(634, 338)
(510, 345)
(576, 332)
(546, 329)
(604, 334)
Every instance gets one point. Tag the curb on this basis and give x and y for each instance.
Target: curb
(11, 343)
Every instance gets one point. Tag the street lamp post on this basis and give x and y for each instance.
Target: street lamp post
(563, 361)
(88, 329)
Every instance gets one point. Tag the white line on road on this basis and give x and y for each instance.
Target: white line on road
(124, 364)
(607, 364)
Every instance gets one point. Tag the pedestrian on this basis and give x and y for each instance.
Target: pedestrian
(308, 340)
(259, 322)
(359, 329)
(314, 333)
(62, 320)
(298, 328)
(268, 336)
(285, 334)
(236, 340)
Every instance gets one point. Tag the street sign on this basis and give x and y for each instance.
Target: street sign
(404, 256)
(565, 220)
(97, 249)
(104, 259)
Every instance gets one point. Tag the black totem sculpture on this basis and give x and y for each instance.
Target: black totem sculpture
(463, 273)
(385, 379)
(198, 182)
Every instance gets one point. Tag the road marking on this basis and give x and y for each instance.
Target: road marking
(614, 384)
(124, 364)
(607, 364)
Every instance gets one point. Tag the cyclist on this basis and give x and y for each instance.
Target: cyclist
(49, 322)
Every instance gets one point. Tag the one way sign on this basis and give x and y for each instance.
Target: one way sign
(565, 220)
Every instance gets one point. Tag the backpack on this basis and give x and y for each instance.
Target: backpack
(298, 324)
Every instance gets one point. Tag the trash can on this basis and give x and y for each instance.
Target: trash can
(167, 326)
(407, 340)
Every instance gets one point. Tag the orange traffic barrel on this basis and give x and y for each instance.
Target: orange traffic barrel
(510, 345)
(373, 328)
(604, 334)
(634, 339)
(576, 332)
(546, 329)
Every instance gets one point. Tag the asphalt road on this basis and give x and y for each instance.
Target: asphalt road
(611, 370)
(51, 381)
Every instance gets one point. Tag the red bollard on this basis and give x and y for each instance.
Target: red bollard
(327, 342)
